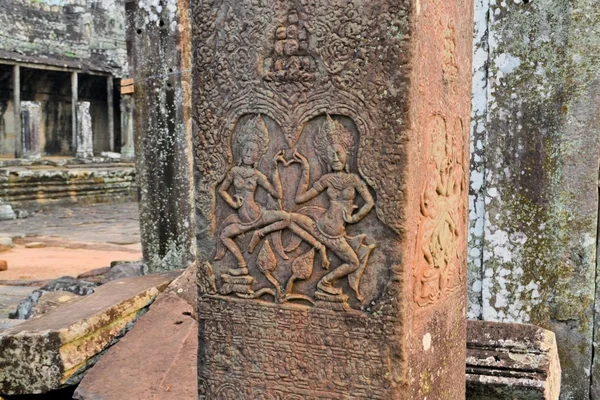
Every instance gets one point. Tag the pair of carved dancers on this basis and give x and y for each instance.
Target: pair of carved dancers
(321, 228)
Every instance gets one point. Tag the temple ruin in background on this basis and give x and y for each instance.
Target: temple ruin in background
(60, 59)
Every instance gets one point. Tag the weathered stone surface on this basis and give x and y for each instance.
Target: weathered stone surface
(51, 351)
(6, 323)
(38, 187)
(161, 58)
(124, 270)
(85, 134)
(6, 243)
(69, 33)
(27, 307)
(6, 212)
(185, 287)
(509, 361)
(98, 272)
(3, 265)
(111, 155)
(534, 181)
(50, 301)
(155, 360)
(331, 153)
(31, 124)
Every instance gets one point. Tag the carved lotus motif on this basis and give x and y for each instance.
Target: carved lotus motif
(302, 267)
(266, 260)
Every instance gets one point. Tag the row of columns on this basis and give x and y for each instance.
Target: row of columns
(82, 140)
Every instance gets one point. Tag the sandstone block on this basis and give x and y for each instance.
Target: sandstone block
(331, 142)
(3, 265)
(52, 351)
(155, 360)
(508, 361)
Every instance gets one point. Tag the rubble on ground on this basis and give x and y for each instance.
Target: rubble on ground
(53, 351)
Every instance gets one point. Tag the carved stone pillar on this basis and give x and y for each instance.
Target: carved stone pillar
(31, 119)
(85, 140)
(127, 145)
(331, 145)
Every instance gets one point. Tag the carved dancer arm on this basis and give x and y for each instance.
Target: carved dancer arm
(362, 189)
(275, 191)
(302, 193)
(237, 203)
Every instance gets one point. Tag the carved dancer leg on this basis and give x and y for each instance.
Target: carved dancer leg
(300, 225)
(226, 237)
(284, 222)
(350, 264)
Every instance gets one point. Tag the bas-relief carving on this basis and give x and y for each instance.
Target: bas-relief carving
(299, 156)
(322, 225)
(437, 271)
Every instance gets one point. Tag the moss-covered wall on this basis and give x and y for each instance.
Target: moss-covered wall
(534, 182)
(81, 34)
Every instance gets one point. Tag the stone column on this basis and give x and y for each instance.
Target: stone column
(31, 119)
(111, 112)
(127, 145)
(331, 154)
(85, 139)
(74, 101)
(17, 110)
(161, 57)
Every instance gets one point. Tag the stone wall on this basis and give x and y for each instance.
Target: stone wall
(534, 174)
(39, 187)
(81, 34)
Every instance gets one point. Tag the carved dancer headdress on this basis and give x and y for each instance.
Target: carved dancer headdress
(330, 133)
(255, 131)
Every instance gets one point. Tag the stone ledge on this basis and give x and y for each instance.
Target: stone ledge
(507, 361)
(34, 187)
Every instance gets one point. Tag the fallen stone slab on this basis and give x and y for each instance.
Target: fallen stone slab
(51, 301)
(155, 360)
(6, 323)
(509, 361)
(53, 351)
(27, 307)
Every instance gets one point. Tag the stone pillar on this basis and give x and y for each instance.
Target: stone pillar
(74, 101)
(161, 57)
(31, 119)
(17, 110)
(534, 183)
(110, 93)
(127, 145)
(85, 139)
(331, 154)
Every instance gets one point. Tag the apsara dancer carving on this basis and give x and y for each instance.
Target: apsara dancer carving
(250, 145)
(332, 144)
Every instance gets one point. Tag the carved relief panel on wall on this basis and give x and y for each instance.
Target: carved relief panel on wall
(295, 222)
(296, 180)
